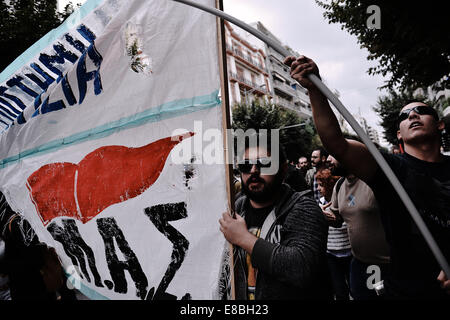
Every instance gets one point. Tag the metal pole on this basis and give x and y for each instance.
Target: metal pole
(353, 123)
(293, 126)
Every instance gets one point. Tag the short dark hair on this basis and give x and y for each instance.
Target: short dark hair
(323, 152)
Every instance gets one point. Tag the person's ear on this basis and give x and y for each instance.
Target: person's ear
(441, 125)
(399, 136)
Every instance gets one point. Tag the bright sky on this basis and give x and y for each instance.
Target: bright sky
(342, 63)
(300, 24)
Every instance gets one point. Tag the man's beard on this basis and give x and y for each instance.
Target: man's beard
(268, 191)
(339, 171)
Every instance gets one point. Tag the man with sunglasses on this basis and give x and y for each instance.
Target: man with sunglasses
(423, 171)
(279, 235)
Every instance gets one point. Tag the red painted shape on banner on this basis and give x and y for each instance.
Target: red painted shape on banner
(106, 176)
(53, 189)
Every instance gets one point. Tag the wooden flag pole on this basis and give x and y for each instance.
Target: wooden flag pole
(226, 124)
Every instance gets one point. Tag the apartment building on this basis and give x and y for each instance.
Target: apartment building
(287, 93)
(248, 77)
(370, 131)
(256, 70)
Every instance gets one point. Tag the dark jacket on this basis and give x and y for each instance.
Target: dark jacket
(294, 268)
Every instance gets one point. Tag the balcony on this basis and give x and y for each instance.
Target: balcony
(305, 111)
(299, 109)
(284, 103)
(275, 54)
(303, 96)
(241, 56)
(282, 71)
(249, 84)
(285, 88)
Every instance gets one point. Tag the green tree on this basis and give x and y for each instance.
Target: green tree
(23, 22)
(296, 141)
(5, 29)
(68, 10)
(412, 45)
(389, 106)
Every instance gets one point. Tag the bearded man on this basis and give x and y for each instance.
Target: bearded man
(280, 235)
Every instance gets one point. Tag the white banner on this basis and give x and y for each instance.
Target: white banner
(94, 116)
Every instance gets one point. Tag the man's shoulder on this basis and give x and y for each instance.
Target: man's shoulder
(240, 203)
(409, 162)
(288, 199)
(403, 165)
(397, 162)
(394, 158)
(289, 194)
(302, 207)
(303, 200)
(309, 176)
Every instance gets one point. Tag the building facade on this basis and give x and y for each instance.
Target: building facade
(248, 77)
(370, 131)
(287, 93)
(256, 71)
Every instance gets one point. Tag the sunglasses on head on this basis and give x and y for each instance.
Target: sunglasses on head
(422, 110)
(248, 164)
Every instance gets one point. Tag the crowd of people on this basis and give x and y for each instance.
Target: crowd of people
(356, 242)
(356, 228)
(331, 228)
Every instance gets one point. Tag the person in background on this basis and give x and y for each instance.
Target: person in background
(339, 253)
(4, 280)
(33, 269)
(318, 161)
(295, 179)
(303, 165)
(395, 150)
(354, 203)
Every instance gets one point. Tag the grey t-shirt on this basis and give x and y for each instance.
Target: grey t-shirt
(357, 205)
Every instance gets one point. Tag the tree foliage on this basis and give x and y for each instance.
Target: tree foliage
(412, 46)
(388, 108)
(23, 22)
(297, 141)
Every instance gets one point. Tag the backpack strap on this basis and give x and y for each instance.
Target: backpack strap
(270, 219)
(339, 184)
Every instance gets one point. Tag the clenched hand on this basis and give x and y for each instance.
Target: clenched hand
(235, 231)
(300, 68)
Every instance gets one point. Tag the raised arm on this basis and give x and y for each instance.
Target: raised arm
(354, 155)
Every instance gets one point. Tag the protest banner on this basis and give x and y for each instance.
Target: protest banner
(95, 118)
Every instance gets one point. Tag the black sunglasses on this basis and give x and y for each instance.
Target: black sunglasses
(422, 110)
(248, 164)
